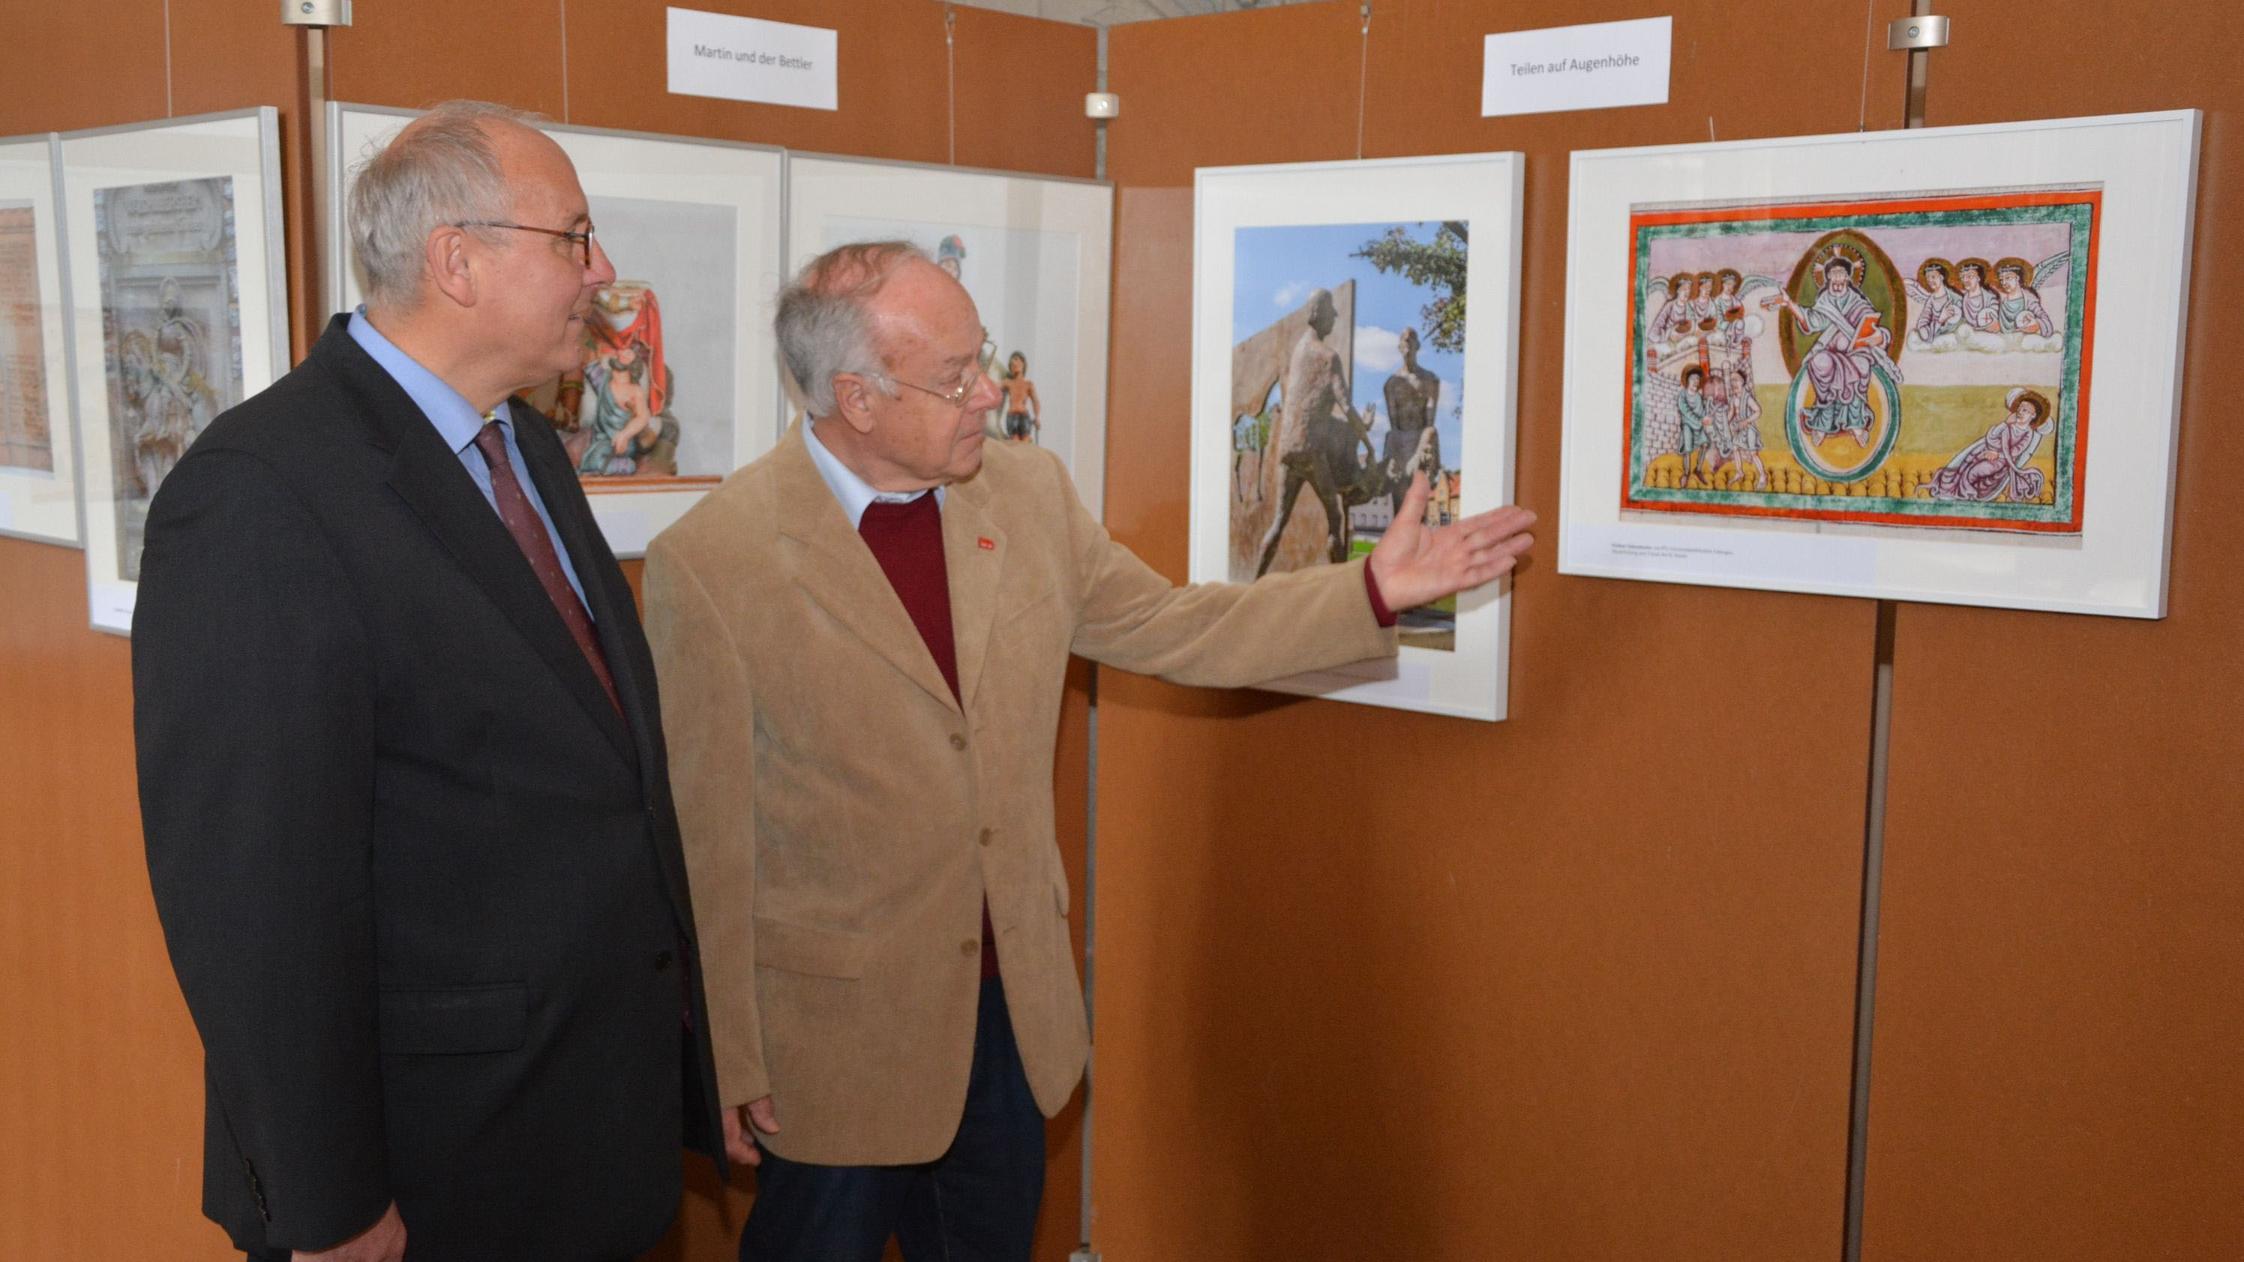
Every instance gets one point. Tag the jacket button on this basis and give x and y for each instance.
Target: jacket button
(987, 835)
(972, 946)
(662, 960)
(957, 741)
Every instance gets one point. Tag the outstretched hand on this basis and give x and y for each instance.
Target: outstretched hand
(1415, 564)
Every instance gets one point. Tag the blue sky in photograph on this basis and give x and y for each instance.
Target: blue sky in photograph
(1274, 270)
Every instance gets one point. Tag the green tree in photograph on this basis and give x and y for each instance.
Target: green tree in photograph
(1437, 264)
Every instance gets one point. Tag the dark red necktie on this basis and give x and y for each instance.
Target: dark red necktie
(530, 536)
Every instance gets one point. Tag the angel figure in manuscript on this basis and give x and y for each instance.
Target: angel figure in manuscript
(2018, 306)
(1996, 466)
(1939, 308)
(1973, 298)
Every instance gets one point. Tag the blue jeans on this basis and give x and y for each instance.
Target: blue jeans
(975, 1203)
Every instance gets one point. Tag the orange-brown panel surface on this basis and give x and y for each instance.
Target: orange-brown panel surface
(413, 53)
(2056, 1073)
(63, 75)
(101, 1146)
(1380, 984)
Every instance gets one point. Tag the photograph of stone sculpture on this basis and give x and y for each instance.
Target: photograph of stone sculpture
(1347, 377)
(652, 406)
(170, 332)
(25, 440)
(1912, 361)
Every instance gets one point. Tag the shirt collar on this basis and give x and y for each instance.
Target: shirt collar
(456, 420)
(855, 493)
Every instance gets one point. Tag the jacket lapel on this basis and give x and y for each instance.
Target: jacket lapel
(432, 482)
(974, 554)
(838, 571)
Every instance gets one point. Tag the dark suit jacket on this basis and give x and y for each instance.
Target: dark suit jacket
(421, 886)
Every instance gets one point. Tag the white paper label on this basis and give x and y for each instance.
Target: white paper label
(750, 59)
(1591, 67)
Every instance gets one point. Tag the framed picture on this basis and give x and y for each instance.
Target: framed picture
(38, 469)
(1032, 252)
(1938, 365)
(1332, 358)
(177, 310)
(680, 383)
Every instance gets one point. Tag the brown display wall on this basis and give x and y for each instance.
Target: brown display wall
(100, 1152)
(2059, 1059)
(1374, 984)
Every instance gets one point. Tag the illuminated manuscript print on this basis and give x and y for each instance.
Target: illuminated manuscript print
(1911, 361)
(24, 439)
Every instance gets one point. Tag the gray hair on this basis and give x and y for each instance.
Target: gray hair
(441, 169)
(824, 323)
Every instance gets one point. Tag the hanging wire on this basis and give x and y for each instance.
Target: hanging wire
(168, 110)
(1363, 78)
(564, 61)
(950, 59)
(1869, 23)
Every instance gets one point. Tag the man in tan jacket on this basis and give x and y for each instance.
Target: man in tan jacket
(862, 639)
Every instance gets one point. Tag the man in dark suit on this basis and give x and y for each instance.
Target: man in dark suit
(401, 763)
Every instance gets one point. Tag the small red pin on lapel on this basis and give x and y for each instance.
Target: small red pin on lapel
(985, 543)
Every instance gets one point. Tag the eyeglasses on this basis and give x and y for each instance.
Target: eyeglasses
(956, 396)
(582, 240)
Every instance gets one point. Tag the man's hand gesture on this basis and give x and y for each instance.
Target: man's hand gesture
(1415, 564)
(740, 1131)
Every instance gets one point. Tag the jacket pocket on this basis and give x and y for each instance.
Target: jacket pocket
(455, 1020)
(797, 948)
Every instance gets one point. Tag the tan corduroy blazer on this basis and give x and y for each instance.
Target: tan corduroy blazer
(844, 817)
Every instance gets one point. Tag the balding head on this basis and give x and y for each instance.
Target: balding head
(827, 321)
(448, 166)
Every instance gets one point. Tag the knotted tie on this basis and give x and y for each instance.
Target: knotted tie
(537, 546)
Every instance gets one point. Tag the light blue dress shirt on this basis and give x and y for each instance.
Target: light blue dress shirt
(855, 493)
(457, 423)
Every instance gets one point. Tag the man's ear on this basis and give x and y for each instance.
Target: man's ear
(444, 259)
(853, 401)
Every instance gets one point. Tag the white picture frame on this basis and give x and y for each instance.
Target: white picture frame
(2111, 556)
(156, 353)
(656, 201)
(1034, 252)
(1265, 239)
(38, 451)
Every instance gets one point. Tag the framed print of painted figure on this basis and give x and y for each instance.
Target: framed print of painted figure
(178, 311)
(678, 384)
(1939, 364)
(1333, 360)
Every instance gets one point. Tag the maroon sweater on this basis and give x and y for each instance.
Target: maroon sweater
(907, 540)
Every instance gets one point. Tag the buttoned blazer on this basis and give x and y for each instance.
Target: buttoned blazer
(845, 816)
(420, 882)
